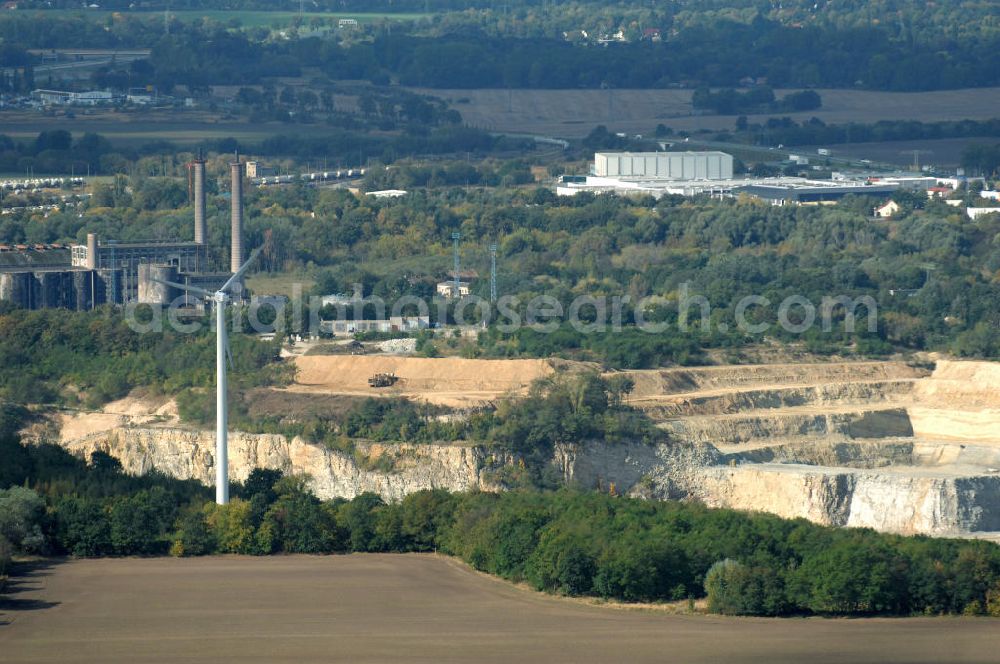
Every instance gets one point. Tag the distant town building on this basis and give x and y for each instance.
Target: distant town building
(339, 299)
(63, 98)
(387, 193)
(141, 96)
(887, 210)
(256, 169)
(391, 324)
(447, 289)
(975, 212)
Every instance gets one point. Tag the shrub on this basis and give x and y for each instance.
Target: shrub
(193, 537)
(738, 590)
(21, 514)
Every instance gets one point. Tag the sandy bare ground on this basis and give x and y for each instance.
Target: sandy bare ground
(446, 381)
(414, 608)
(573, 113)
(127, 411)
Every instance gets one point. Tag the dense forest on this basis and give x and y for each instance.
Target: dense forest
(567, 542)
(54, 356)
(871, 45)
(714, 55)
(901, 18)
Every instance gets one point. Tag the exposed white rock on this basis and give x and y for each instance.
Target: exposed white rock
(405, 468)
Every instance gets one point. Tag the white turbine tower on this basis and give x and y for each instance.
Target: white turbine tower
(220, 298)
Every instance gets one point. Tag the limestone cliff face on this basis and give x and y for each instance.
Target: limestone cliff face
(781, 482)
(392, 471)
(652, 471)
(887, 501)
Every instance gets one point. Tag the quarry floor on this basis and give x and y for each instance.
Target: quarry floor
(414, 608)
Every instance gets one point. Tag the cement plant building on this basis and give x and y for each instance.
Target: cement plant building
(85, 276)
(664, 165)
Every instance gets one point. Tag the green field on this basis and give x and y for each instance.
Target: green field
(248, 19)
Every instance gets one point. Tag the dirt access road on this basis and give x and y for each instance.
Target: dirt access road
(413, 608)
(445, 381)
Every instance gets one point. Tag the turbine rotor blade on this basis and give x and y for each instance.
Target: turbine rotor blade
(185, 287)
(240, 272)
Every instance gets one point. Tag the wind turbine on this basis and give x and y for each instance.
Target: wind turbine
(220, 298)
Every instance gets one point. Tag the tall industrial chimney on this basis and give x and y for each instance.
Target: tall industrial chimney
(199, 200)
(91, 251)
(236, 253)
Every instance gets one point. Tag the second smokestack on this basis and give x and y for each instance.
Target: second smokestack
(236, 253)
(199, 200)
(92, 251)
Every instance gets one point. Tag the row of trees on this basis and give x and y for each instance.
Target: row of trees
(982, 159)
(814, 131)
(56, 151)
(756, 100)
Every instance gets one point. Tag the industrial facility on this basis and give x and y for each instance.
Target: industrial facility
(653, 173)
(664, 165)
(40, 276)
(99, 272)
(68, 288)
(660, 174)
(792, 191)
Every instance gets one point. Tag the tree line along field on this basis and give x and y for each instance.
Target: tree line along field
(570, 114)
(574, 113)
(136, 128)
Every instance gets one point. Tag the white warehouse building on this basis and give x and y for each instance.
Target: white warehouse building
(664, 165)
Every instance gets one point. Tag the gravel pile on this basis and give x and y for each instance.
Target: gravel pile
(398, 346)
